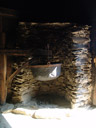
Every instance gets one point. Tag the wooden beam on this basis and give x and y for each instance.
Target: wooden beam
(14, 52)
(19, 52)
(0, 24)
(94, 82)
(3, 89)
(3, 54)
(9, 67)
(1, 14)
(2, 40)
(7, 12)
(3, 67)
(9, 80)
(93, 53)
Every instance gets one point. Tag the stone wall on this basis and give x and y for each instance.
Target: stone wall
(70, 46)
(81, 91)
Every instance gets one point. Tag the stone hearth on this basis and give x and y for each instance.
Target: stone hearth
(70, 45)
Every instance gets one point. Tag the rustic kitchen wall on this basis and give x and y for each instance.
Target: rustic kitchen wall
(70, 45)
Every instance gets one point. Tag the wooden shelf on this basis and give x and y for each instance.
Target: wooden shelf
(14, 52)
(7, 12)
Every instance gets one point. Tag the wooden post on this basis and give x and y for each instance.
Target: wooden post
(0, 23)
(3, 65)
(9, 67)
(3, 88)
(94, 82)
(93, 53)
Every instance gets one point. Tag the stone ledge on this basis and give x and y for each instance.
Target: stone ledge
(6, 108)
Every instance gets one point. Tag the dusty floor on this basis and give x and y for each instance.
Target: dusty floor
(46, 114)
(81, 119)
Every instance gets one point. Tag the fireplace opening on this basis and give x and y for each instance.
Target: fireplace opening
(26, 88)
(52, 101)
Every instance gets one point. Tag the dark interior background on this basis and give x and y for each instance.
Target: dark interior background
(81, 11)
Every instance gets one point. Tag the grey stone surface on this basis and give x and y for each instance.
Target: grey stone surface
(3, 122)
(6, 108)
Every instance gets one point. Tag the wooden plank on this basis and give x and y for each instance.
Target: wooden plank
(7, 12)
(93, 53)
(94, 90)
(11, 15)
(94, 81)
(9, 67)
(14, 52)
(2, 40)
(0, 24)
(9, 80)
(3, 55)
(19, 52)
(3, 68)
(3, 89)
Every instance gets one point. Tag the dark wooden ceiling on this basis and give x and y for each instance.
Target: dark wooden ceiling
(81, 11)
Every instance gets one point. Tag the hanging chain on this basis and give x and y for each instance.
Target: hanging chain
(48, 54)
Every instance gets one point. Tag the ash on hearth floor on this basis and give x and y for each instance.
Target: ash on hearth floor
(44, 107)
(46, 101)
(39, 102)
(50, 100)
